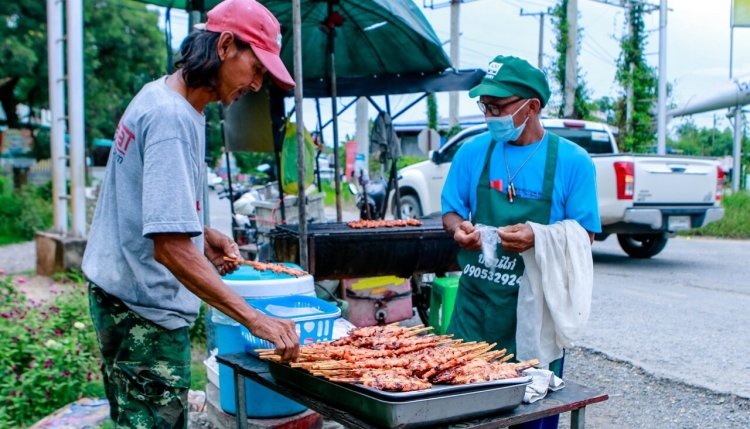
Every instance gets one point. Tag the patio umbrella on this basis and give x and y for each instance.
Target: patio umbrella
(357, 38)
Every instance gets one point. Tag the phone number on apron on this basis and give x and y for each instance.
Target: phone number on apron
(502, 278)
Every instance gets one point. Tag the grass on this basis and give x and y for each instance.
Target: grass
(330, 194)
(736, 221)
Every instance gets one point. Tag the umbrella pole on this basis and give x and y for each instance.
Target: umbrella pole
(301, 201)
(334, 112)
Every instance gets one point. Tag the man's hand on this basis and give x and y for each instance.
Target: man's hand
(278, 331)
(217, 247)
(516, 238)
(467, 236)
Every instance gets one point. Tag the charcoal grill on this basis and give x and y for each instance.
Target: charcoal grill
(336, 251)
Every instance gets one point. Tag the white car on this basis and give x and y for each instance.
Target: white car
(642, 198)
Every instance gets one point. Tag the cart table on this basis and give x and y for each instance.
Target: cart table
(574, 397)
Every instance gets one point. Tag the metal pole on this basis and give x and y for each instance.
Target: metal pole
(737, 149)
(57, 109)
(74, 15)
(661, 132)
(455, 60)
(334, 112)
(571, 66)
(297, 26)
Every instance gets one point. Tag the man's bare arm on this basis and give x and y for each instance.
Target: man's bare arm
(178, 253)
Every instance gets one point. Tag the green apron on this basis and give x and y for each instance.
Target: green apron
(486, 302)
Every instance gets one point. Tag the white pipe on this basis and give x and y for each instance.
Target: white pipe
(297, 35)
(56, 76)
(363, 128)
(74, 15)
(661, 129)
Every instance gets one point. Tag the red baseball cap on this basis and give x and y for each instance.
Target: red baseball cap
(255, 25)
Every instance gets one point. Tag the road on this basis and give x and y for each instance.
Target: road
(682, 315)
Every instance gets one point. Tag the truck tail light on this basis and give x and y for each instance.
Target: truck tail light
(625, 180)
(719, 183)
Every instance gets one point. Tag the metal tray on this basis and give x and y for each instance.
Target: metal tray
(445, 406)
(440, 389)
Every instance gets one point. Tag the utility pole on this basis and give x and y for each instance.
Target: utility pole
(541, 15)
(74, 17)
(661, 128)
(455, 36)
(571, 61)
(55, 53)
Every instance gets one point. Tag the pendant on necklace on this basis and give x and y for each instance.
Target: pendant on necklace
(511, 192)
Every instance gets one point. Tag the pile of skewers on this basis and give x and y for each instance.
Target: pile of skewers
(267, 266)
(361, 224)
(403, 359)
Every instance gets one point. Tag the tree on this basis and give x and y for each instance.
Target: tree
(634, 117)
(23, 49)
(581, 109)
(123, 50)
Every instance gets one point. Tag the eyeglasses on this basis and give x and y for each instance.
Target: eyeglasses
(495, 109)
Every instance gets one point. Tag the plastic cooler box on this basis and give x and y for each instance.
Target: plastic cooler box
(253, 285)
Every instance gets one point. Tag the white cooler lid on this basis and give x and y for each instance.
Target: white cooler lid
(251, 283)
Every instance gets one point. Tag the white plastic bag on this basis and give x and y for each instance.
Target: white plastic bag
(490, 241)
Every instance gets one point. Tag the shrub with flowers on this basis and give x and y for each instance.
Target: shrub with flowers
(48, 351)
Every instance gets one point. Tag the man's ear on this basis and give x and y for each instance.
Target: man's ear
(535, 105)
(225, 44)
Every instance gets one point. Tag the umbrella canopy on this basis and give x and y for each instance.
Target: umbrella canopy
(372, 37)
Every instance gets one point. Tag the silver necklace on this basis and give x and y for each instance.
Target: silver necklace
(511, 187)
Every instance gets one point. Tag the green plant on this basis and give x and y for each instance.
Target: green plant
(48, 352)
(24, 212)
(736, 220)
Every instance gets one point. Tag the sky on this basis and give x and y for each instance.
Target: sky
(698, 41)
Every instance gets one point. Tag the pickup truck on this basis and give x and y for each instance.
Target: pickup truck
(644, 199)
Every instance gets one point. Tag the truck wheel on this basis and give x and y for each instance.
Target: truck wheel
(642, 245)
(410, 208)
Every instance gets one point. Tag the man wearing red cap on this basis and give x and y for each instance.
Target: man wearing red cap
(149, 259)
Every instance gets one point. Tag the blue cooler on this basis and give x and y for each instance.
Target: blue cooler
(252, 285)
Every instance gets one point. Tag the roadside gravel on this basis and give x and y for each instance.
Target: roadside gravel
(640, 400)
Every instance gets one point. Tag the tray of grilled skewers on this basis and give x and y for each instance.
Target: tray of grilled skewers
(406, 377)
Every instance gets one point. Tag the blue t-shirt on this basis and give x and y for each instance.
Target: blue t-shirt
(573, 194)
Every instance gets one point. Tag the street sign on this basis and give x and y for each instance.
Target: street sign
(428, 139)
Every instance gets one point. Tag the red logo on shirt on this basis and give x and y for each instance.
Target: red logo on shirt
(123, 138)
(497, 185)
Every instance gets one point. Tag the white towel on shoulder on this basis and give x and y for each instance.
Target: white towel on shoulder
(554, 298)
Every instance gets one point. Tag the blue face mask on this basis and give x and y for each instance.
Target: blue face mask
(502, 128)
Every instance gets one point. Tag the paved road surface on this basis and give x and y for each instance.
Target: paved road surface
(682, 315)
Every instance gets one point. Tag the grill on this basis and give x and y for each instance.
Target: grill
(336, 251)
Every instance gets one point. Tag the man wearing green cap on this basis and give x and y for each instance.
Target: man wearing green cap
(513, 174)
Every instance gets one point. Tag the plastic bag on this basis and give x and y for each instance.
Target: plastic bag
(490, 241)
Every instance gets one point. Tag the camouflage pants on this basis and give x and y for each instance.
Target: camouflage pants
(146, 368)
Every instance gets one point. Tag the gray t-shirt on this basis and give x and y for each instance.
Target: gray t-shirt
(153, 184)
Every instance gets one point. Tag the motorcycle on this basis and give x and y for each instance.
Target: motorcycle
(371, 196)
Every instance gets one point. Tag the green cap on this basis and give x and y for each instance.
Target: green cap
(509, 76)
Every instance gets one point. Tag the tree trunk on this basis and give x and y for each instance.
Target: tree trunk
(9, 101)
